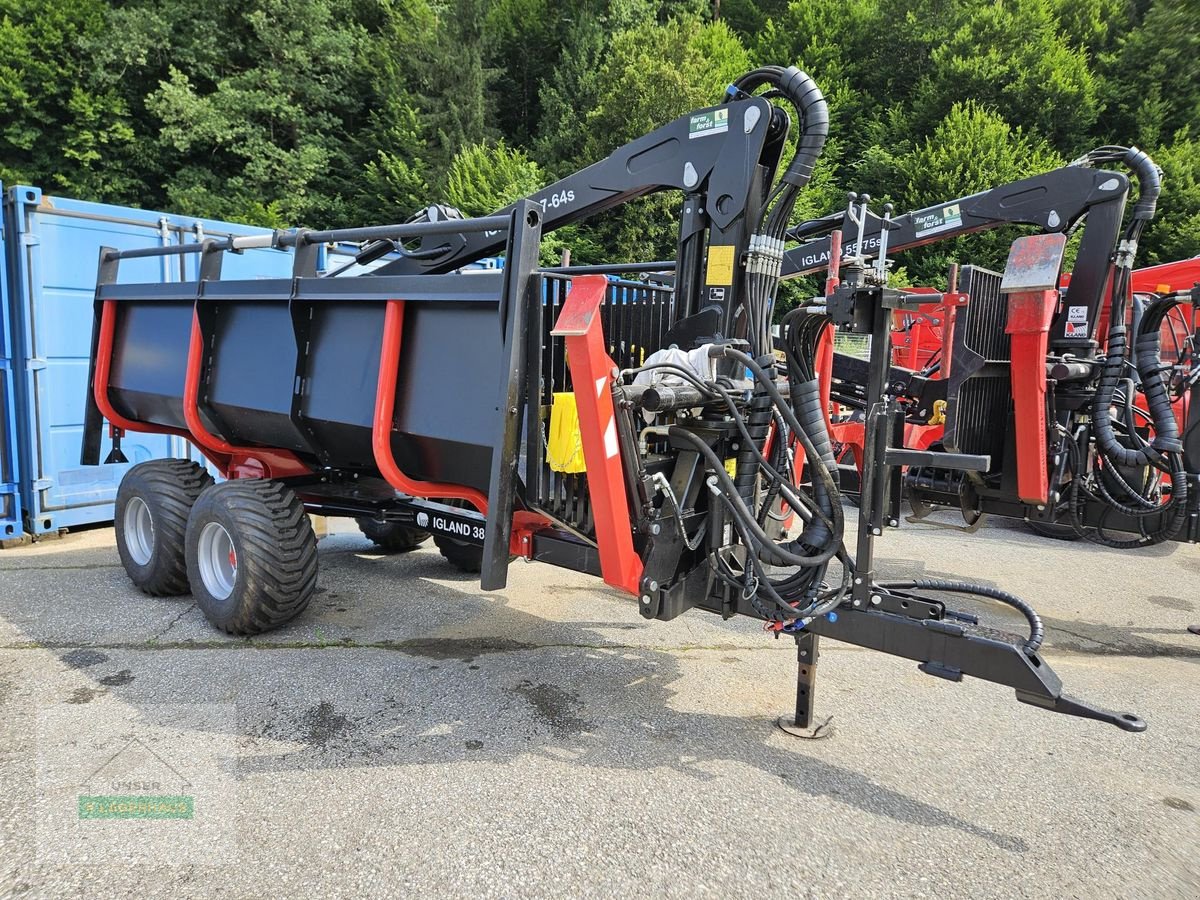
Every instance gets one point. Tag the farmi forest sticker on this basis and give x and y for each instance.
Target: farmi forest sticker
(143, 785)
(706, 123)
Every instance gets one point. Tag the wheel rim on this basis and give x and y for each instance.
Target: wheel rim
(217, 560)
(139, 531)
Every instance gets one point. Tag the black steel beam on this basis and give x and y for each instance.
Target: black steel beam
(515, 303)
(950, 650)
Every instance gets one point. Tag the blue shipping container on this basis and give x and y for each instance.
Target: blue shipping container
(10, 493)
(53, 252)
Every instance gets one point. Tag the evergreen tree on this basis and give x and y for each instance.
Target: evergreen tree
(58, 127)
(483, 179)
(649, 76)
(1175, 232)
(970, 150)
(333, 112)
(1153, 83)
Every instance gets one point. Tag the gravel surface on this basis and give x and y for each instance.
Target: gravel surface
(412, 735)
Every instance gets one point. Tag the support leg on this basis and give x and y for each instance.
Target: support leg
(802, 723)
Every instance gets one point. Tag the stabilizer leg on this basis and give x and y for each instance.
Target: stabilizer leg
(802, 723)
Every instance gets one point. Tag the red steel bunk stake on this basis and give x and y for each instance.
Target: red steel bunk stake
(1030, 314)
(592, 377)
(834, 269)
(385, 407)
(234, 462)
(1031, 278)
(824, 359)
(104, 352)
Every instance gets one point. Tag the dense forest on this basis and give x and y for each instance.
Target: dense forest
(337, 112)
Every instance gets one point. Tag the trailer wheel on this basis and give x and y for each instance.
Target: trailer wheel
(463, 556)
(251, 555)
(392, 537)
(1054, 530)
(153, 503)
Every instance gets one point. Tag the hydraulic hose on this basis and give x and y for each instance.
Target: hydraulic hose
(1166, 442)
(765, 256)
(1037, 631)
(802, 92)
(1149, 187)
(758, 423)
(806, 402)
(1176, 508)
(820, 468)
(798, 87)
(1111, 375)
(1149, 182)
(1150, 368)
(775, 554)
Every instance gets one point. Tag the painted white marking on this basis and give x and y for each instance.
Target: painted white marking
(610, 439)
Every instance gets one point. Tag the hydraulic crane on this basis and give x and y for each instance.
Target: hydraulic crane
(424, 401)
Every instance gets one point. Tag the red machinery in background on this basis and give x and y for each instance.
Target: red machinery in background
(919, 336)
(1066, 406)
(922, 341)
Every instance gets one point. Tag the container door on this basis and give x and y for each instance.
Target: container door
(55, 256)
(11, 527)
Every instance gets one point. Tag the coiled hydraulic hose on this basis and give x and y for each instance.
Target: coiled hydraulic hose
(770, 552)
(802, 92)
(758, 423)
(1148, 359)
(806, 401)
(1113, 371)
(1164, 451)
(765, 256)
(802, 593)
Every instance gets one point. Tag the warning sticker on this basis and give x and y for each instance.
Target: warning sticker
(934, 220)
(706, 123)
(720, 265)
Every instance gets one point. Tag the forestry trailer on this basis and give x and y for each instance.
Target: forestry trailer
(656, 437)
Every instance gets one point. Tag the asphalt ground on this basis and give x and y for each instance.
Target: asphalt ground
(411, 735)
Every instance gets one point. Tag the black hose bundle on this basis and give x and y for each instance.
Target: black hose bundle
(796, 597)
(1116, 358)
(1163, 455)
(802, 334)
(802, 92)
(758, 424)
(1164, 452)
(765, 255)
(800, 595)
(1153, 374)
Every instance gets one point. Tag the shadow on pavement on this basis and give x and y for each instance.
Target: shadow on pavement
(473, 680)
